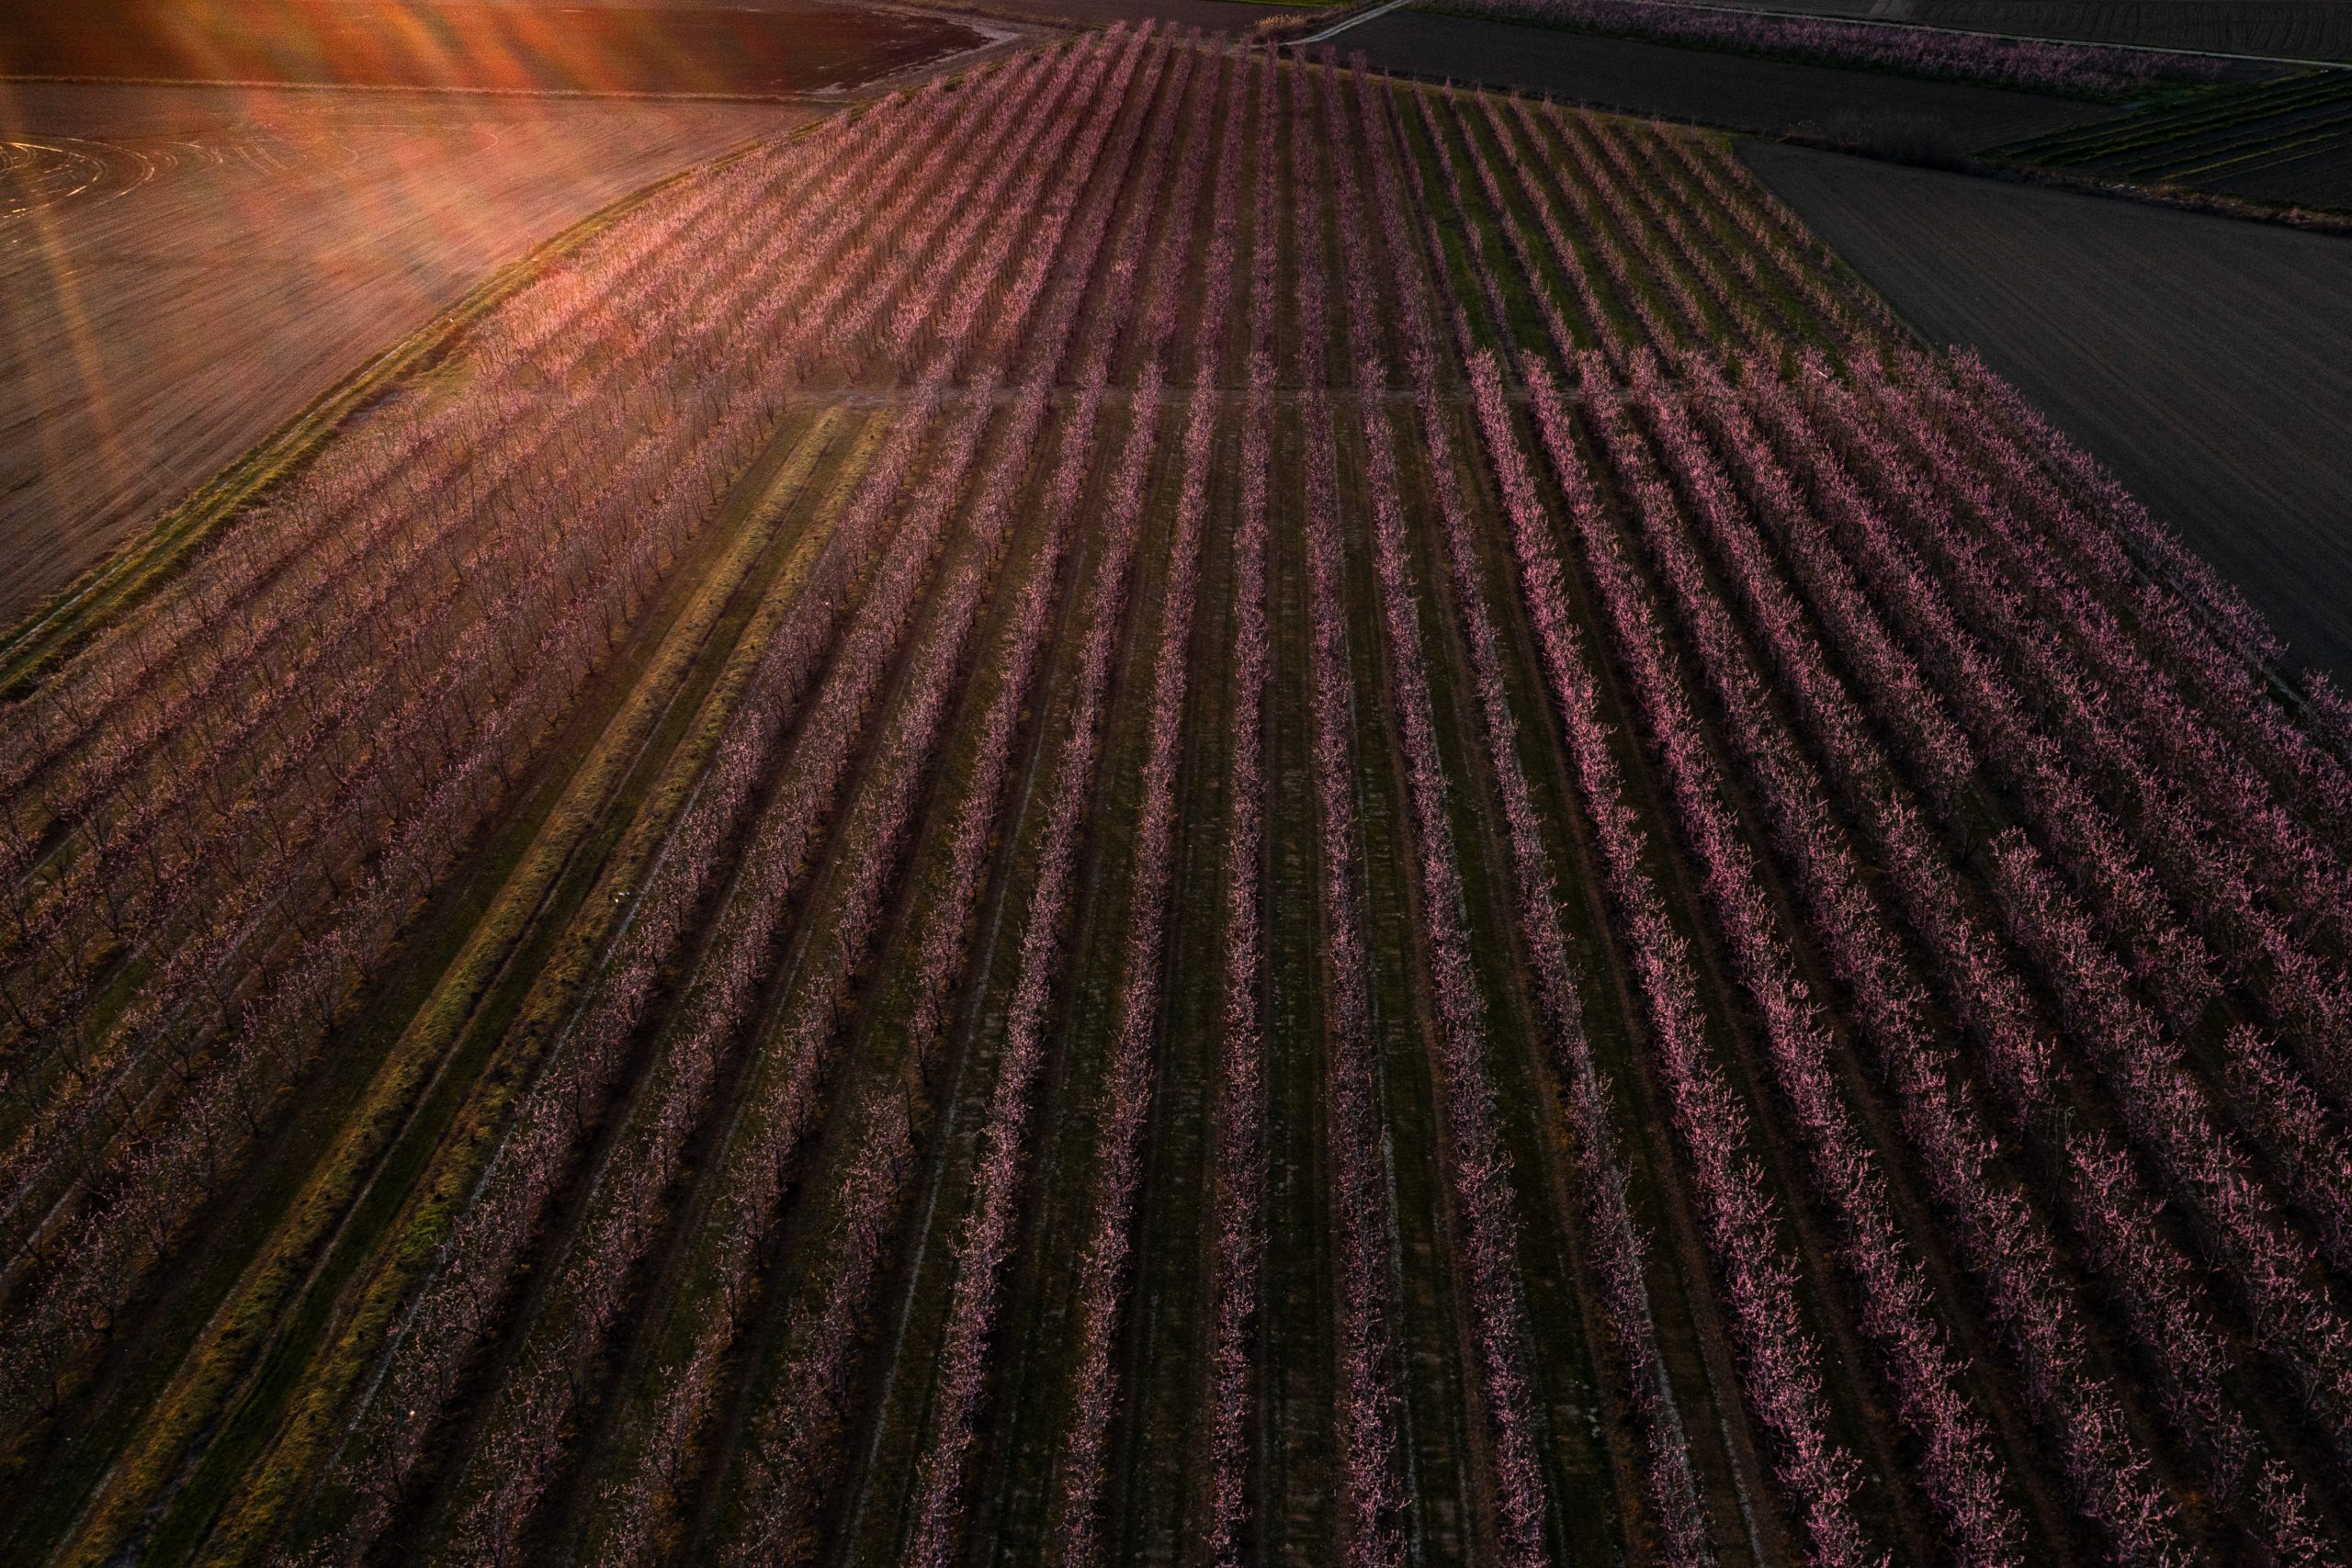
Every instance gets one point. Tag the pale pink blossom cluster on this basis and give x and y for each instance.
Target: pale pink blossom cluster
(789, 1469)
(2170, 1116)
(2007, 488)
(550, 1130)
(777, 1109)
(1131, 1080)
(379, 777)
(1632, 291)
(1128, 1090)
(412, 556)
(2264, 888)
(282, 571)
(791, 1457)
(2305, 1137)
(966, 240)
(2221, 655)
(1799, 260)
(430, 529)
(2189, 849)
(550, 1126)
(786, 1467)
(930, 177)
(524, 1426)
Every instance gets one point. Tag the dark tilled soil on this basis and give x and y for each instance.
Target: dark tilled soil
(2313, 174)
(2302, 158)
(1771, 97)
(2289, 141)
(2208, 361)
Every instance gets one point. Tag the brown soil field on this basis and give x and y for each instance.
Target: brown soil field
(366, 43)
(2208, 361)
(1770, 96)
(182, 269)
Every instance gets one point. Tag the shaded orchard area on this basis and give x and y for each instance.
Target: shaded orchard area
(788, 48)
(1716, 87)
(1176, 805)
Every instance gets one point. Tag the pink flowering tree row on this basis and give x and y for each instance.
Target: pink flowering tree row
(985, 1242)
(1779, 1355)
(1959, 1468)
(633, 1178)
(1240, 1225)
(2156, 1284)
(439, 707)
(1372, 1515)
(2096, 69)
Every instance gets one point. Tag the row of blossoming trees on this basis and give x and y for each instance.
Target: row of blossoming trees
(2052, 65)
(1171, 803)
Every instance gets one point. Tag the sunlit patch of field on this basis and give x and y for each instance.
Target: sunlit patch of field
(184, 268)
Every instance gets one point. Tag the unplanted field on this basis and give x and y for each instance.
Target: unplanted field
(1744, 93)
(1178, 806)
(2288, 142)
(184, 268)
(784, 47)
(2209, 361)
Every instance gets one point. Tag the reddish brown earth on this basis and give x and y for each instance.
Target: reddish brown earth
(368, 42)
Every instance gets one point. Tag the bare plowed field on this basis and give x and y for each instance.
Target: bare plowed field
(798, 47)
(1769, 97)
(1179, 806)
(182, 269)
(2209, 361)
(2306, 171)
(2286, 141)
